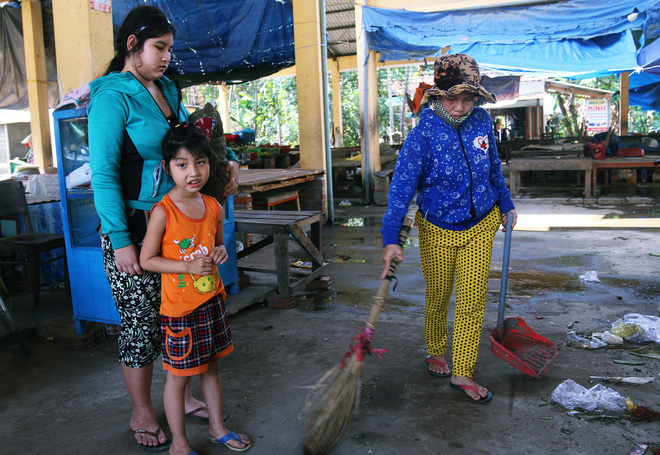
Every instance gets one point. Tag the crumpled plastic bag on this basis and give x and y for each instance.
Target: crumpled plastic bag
(572, 395)
(590, 276)
(637, 328)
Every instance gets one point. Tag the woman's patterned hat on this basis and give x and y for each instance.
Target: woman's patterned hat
(457, 73)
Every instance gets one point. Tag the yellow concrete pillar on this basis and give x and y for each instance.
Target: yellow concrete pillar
(83, 43)
(623, 110)
(223, 107)
(307, 37)
(37, 82)
(368, 102)
(337, 129)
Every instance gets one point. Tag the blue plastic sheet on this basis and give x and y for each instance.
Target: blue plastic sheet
(224, 40)
(570, 36)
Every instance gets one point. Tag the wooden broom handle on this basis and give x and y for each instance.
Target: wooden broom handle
(379, 298)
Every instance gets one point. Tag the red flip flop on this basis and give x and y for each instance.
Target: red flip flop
(475, 389)
(429, 360)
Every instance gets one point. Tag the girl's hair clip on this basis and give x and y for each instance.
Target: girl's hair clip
(139, 30)
(182, 125)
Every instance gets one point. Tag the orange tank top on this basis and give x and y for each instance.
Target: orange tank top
(183, 239)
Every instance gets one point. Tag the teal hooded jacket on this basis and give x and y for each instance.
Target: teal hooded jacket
(126, 129)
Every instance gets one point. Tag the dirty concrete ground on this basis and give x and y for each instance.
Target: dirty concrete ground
(62, 401)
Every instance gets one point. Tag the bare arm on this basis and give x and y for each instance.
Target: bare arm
(219, 253)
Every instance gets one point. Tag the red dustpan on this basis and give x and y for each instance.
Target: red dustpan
(513, 340)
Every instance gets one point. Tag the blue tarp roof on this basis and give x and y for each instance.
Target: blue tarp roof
(224, 40)
(564, 38)
(569, 36)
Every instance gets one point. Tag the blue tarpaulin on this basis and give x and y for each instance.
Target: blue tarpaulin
(570, 36)
(224, 40)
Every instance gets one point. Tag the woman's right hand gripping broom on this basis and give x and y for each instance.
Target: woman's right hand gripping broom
(393, 253)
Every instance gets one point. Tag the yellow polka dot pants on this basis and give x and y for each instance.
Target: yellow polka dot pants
(463, 257)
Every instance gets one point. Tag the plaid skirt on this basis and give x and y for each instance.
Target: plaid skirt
(191, 341)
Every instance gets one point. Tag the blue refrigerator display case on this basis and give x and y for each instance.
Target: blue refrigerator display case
(90, 291)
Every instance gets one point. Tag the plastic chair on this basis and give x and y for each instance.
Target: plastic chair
(28, 247)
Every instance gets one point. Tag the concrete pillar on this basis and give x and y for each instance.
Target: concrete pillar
(338, 129)
(368, 102)
(223, 107)
(623, 111)
(307, 37)
(83, 43)
(37, 82)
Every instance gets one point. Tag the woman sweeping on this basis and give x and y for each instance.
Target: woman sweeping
(451, 159)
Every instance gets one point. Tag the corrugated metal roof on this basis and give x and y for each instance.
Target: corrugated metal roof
(340, 27)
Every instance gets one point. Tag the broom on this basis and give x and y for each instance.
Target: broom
(338, 391)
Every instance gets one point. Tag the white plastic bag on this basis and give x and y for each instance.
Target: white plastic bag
(81, 176)
(572, 395)
(638, 327)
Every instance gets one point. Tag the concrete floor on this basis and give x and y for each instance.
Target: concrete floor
(63, 401)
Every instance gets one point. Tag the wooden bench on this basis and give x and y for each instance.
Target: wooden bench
(518, 165)
(278, 226)
(646, 162)
(269, 200)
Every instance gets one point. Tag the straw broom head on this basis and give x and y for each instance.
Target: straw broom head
(339, 391)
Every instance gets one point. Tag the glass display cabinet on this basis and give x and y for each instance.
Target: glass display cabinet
(90, 291)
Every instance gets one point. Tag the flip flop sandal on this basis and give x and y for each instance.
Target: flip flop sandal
(429, 360)
(193, 414)
(231, 436)
(475, 389)
(161, 446)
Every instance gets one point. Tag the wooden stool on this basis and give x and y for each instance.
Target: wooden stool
(268, 201)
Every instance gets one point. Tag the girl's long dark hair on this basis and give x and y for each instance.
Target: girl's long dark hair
(144, 22)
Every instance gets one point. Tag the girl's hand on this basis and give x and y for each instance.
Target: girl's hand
(232, 185)
(219, 255)
(390, 252)
(127, 260)
(201, 265)
(515, 219)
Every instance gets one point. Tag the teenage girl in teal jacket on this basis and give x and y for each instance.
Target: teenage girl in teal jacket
(131, 108)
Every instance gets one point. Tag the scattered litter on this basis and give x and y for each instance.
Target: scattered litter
(626, 379)
(646, 352)
(345, 203)
(629, 362)
(538, 316)
(608, 337)
(641, 412)
(654, 255)
(645, 449)
(585, 343)
(572, 395)
(590, 276)
(637, 328)
(301, 264)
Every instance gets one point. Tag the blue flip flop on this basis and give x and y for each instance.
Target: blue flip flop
(231, 436)
(429, 360)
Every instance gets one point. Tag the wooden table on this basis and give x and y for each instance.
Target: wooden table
(517, 165)
(256, 180)
(645, 162)
(279, 226)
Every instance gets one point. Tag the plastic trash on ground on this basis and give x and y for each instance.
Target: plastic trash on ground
(571, 395)
(590, 276)
(585, 343)
(608, 337)
(345, 203)
(637, 328)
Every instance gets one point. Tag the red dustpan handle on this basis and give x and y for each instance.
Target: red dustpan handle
(505, 269)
